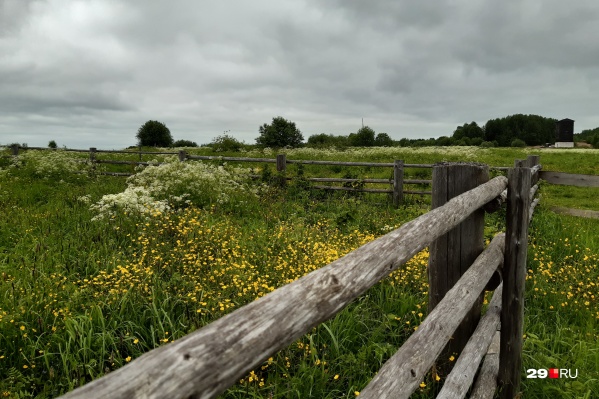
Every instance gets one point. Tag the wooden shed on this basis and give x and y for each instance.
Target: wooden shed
(564, 133)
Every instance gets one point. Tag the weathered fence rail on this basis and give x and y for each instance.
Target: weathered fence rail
(206, 362)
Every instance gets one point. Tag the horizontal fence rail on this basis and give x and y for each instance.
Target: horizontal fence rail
(403, 372)
(207, 361)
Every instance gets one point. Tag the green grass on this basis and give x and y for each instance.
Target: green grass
(81, 298)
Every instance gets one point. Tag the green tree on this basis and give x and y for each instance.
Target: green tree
(470, 130)
(52, 144)
(154, 134)
(185, 143)
(327, 140)
(280, 133)
(383, 140)
(224, 143)
(363, 137)
(518, 143)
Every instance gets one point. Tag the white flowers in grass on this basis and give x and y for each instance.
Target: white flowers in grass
(50, 164)
(177, 184)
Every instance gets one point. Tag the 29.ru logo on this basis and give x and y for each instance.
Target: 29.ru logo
(551, 373)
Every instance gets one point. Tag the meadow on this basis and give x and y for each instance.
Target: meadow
(97, 270)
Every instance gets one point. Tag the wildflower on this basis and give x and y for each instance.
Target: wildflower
(128, 359)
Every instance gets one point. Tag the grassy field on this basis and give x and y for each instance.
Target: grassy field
(97, 271)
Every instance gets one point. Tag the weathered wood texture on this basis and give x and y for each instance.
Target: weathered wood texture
(583, 213)
(281, 162)
(532, 161)
(361, 190)
(569, 179)
(127, 162)
(182, 156)
(403, 372)
(397, 183)
(418, 192)
(207, 361)
(486, 382)
(452, 254)
(514, 275)
(459, 381)
(15, 149)
(531, 211)
(219, 158)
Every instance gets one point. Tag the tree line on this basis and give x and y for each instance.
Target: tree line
(514, 130)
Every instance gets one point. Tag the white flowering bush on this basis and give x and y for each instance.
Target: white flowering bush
(175, 185)
(50, 164)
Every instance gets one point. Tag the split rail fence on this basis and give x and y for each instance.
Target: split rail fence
(397, 182)
(206, 362)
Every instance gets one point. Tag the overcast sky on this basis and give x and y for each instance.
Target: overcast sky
(91, 72)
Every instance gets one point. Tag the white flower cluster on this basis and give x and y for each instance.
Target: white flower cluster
(51, 164)
(137, 200)
(175, 184)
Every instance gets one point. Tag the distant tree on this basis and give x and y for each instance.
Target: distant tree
(476, 141)
(470, 130)
(444, 141)
(327, 140)
(532, 129)
(280, 133)
(487, 144)
(185, 143)
(226, 143)
(383, 140)
(364, 137)
(52, 144)
(154, 134)
(518, 143)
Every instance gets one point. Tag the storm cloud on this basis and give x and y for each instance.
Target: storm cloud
(89, 73)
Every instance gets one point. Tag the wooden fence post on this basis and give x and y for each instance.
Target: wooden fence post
(452, 254)
(15, 149)
(532, 161)
(182, 156)
(92, 159)
(281, 162)
(514, 277)
(397, 182)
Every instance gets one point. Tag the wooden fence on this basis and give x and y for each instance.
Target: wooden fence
(206, 362)
(397, 182)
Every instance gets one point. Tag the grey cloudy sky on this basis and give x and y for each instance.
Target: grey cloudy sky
(89, 73)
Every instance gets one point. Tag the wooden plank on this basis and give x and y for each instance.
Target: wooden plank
(583, 213)
(342, 180)
(115, 162)
(418, 192)
(569, 179)
(403, 372)
(486, 382)
(461, 377)
(397, 182)
(219, 158)
(514, 276)
(281, 162)
(532, 209)
(364, 190)
(206, 362)
(457, 250)
(340, 163)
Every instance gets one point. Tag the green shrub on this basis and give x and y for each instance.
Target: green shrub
(518, 143)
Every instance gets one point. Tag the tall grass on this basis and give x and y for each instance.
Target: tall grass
(81, 297)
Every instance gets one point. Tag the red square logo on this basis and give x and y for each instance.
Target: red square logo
(553, 373)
